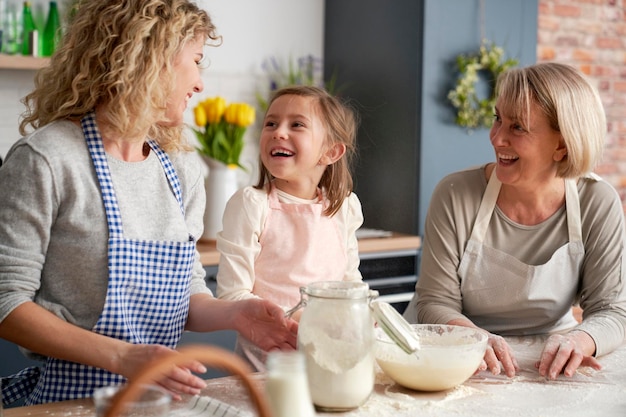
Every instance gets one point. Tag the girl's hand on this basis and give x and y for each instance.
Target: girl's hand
(565, 353)
(499, 356)
(177, 379)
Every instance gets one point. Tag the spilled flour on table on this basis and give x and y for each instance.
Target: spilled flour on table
(392, 400)
(486, 395)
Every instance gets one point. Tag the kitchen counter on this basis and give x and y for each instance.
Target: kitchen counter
(587, 393)
(388, 263)
(209, 256)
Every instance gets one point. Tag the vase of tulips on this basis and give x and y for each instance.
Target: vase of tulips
(221, 140)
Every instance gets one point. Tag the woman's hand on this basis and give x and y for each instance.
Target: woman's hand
(177, 379)
(264, 324)
(498, 357)
(565, 353)
(260, 321)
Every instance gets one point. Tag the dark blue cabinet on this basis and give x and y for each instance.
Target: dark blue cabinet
(395, 62)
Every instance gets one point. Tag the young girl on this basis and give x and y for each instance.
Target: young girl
(297, 224)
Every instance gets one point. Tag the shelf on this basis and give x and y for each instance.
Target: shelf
(21, 62)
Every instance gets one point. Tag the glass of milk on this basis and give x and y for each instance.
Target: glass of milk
(287, 386)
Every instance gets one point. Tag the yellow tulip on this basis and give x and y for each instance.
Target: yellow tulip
(243, 118)
(239, 114)
(200, 115)
(214, 108)
(230, 114)
(250, 115)
(220, 105)
(224, 128)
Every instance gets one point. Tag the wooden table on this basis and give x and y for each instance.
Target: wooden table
(588, 393)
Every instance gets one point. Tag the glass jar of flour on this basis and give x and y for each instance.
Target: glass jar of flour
(336, 335)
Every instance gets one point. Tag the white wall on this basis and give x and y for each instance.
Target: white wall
(252, 31)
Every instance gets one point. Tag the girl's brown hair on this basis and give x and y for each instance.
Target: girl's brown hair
(340, 121)
(118, 52)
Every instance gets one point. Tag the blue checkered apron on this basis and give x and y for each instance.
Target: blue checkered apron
(147, 298)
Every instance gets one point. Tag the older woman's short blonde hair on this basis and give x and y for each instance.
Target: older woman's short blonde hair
(119, 52)
(571, 104)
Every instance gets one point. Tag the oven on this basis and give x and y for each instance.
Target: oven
(393, 273)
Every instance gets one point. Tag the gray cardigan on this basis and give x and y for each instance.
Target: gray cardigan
(53, 229)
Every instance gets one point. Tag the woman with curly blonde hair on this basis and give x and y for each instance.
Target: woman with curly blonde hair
(102, 206)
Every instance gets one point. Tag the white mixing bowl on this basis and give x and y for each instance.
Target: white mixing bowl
(447, 357)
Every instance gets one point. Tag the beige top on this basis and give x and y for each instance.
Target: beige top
(505, 295)
(449, 223)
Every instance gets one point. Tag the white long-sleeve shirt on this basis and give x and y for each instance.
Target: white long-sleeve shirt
(239, 241)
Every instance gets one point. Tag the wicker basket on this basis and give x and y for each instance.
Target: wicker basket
(209, 355)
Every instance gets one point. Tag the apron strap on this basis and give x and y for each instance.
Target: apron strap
(101, 165)
(170, 173)
(572, 205)
(485, 210)
(98, 156)
(488, 203)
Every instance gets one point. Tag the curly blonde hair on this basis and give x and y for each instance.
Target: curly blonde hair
(341, 123)
(118, 53)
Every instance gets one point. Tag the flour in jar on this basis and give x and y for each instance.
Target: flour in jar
(336, 336)
(341, 376)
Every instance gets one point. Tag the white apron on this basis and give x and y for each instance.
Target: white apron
(503, 295)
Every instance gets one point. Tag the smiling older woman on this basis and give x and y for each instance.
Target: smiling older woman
(510, 246)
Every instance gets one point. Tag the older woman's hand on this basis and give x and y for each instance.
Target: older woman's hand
(565, 353)
(498, 357)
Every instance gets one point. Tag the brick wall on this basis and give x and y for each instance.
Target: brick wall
(591, 35)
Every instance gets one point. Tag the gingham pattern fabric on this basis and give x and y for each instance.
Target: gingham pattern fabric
(147, 299)
(13, 387)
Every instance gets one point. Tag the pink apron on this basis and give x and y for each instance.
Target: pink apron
(299, 245)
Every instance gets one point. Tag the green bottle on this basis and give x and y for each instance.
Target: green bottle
(29, 31)
(52, 31)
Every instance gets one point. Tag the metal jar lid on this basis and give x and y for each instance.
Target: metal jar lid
(395, 326)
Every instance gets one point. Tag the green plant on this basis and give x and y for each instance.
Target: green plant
(306, 70)
(472, 112)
